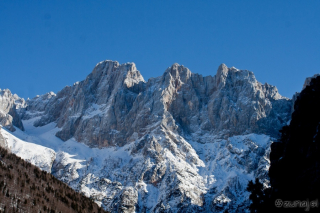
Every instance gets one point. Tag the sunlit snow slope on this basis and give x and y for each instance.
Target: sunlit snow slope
(225, 167)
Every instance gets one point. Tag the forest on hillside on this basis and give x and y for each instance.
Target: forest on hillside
(25, 188)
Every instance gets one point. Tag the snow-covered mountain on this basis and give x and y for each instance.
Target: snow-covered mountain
(176, 143)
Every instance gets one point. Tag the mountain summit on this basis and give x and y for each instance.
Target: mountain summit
(116, 98)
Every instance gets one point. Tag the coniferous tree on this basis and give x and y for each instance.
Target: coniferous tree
(259, 197)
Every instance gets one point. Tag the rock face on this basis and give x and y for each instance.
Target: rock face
(176, 143)
(126, 202)
(295, 168)
(231, 103)
(8, 113)
(114, 102)
(91, 109)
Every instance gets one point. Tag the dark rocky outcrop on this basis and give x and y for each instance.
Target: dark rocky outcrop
(295, 159)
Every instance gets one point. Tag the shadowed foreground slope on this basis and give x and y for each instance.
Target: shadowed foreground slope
(295, 163)
(25, 188)
(295, 170)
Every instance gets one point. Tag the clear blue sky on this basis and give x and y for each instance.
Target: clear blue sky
(46, 45)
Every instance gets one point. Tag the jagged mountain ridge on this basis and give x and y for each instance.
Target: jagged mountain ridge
(122, 101)
(187, 142)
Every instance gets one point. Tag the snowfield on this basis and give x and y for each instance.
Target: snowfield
(219, 169)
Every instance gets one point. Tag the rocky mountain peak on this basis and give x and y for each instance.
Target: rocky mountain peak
(222, 69)
(178, 72)
(308, 81)
(9, 103)
(106, 66)
(133, 76)
(174, 77)
(222, 74)
(124, 74)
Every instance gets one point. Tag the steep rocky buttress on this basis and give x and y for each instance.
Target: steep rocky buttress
(8, 113)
